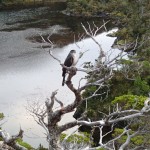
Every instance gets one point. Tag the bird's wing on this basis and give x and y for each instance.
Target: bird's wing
(69, 61)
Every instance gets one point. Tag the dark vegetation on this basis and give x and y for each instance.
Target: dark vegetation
(133, 21)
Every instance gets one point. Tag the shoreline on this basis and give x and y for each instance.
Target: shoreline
(59, 6)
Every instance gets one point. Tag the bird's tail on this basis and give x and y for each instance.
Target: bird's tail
(63, 82)
(63, 74)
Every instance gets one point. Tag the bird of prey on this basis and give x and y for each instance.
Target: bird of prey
(69, 61)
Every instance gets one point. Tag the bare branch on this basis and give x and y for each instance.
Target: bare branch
(51, 54)
(146, 107)
(124, 145)
(59, 102)
(11, 140)
(67, 126)
(49, 104)
(130, 114)
(97, 82)
(91, 36)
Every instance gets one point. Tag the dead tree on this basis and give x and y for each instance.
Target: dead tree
(11, 140)
(8, 141)
(49, 119)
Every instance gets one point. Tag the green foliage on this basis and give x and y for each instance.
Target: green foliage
(100, 149)
(82, 138)
(128, 14)
(1, 116)
(129, 101)
(24, 144)
(146, 65)
(135, 141)
(132, 19)
(83, 7)
(125, 62)
(142, 86)
(118, 132)
(95, 105)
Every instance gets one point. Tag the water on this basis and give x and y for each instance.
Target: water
(28, 74)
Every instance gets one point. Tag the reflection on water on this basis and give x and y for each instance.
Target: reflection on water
(28, 73)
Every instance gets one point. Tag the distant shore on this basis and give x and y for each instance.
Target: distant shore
(32, 4)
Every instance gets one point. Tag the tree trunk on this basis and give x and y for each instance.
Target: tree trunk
(54, 142)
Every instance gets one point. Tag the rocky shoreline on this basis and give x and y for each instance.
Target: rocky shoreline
(22, 5)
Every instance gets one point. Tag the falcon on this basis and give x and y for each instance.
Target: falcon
(69, 61)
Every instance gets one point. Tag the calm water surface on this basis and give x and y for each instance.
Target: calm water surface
(28, 73)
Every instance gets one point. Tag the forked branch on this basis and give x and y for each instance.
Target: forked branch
(11, 140)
